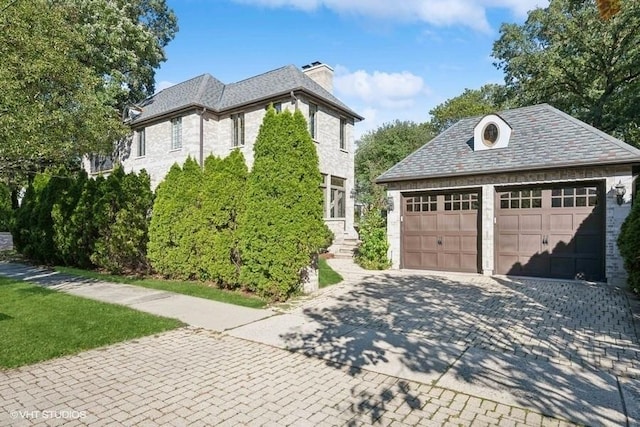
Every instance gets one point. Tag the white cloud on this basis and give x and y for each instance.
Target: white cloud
(388, 90)
(469, 13)
(382, 97)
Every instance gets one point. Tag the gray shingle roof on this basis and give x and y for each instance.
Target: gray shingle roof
(543, 137)
(207, 91)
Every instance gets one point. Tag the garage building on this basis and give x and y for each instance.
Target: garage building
(527, 192)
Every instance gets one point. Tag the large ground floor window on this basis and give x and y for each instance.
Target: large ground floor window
(338, 202)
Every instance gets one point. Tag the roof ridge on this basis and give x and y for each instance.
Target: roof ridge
(261, 74)
(202, 88)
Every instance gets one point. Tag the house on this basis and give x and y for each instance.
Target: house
(203, 116)
(528, 192)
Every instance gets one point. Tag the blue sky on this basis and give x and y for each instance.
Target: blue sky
(393, 59)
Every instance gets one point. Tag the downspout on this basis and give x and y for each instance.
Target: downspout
(204, 110)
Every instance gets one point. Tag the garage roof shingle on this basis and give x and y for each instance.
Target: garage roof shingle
(542, 137)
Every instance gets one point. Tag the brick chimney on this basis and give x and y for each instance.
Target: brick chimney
(321, 74)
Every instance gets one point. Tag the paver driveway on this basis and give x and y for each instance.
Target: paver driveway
(568, 349)
(383, 349)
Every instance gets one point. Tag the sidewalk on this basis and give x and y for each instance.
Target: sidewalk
(193, 311)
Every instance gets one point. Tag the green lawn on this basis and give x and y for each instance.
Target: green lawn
(327, 275)
(38, 324)
(194, 289)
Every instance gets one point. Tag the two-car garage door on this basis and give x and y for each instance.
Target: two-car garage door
(554, 231)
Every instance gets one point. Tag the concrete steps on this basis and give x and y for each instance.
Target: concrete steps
(345, 249)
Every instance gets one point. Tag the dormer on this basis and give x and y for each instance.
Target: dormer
(492, 132)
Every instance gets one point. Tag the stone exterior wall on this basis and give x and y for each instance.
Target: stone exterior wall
(218, 140)
(486, 185)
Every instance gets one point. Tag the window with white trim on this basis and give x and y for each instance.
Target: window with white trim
(323, 187)
(238, 129)
(176, 133)
(338, 201)
(142, 143)
(313, 112)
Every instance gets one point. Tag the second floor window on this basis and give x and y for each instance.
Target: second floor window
(343, 133)
(313, 112)
(142, 143)
(176, 133)
(238, 129)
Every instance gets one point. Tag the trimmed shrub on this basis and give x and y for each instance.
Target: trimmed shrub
(222, 203)
(372, 252)
(173, 249)
(629, 244)
(282, 228)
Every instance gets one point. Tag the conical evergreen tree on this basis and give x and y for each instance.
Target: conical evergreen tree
(282, 228)
(222, 204)
(172, 248)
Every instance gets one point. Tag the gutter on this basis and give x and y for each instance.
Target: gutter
(204, 110)
(230, 109)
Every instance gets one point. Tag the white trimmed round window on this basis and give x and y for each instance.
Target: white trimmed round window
(490, 134)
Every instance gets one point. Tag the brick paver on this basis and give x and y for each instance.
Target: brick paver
(196, 377)
(563, 322)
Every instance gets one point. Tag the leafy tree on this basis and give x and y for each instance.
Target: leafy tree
(282, 228)
(472, 102)
(570, 57)
(127, 41)
(608, 8)
(173, 249)
(222, 204)
(372, 252)
(381, 149)
(51, 109)
(68, 68)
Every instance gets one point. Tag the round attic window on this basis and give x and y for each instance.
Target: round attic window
(490, 134)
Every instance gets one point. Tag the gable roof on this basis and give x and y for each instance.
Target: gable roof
(543, 137)
(208, 92)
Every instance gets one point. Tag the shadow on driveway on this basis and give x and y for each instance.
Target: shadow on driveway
(551, 346)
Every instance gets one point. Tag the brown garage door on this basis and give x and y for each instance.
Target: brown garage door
(550, 232)
(440, 232)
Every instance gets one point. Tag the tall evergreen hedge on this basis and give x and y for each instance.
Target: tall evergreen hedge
(222, 203)
(6, 211)
(79, 221)
(121, 217)
(282, 228)
(173, 249)
(33, 231)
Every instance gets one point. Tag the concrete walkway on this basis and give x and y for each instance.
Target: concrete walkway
(198, 312)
